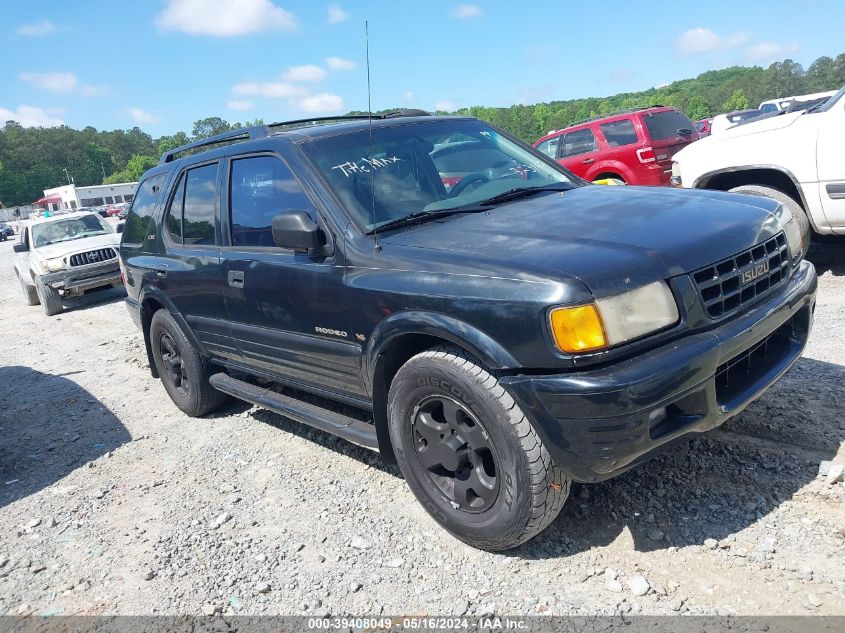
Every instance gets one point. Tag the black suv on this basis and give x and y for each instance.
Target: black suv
(499, 334)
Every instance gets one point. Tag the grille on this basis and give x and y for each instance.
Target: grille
(735, 281)
(92, 257)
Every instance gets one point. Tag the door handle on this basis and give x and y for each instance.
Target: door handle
(587, 161)
(236, 278)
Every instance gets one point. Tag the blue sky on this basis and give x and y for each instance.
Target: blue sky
(162, 64)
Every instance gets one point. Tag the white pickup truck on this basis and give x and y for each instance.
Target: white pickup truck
(65, 255)
(796, 158)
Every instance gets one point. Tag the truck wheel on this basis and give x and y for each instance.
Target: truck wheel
(30, 294)
(773, 194)
(50, 299)
(469, 454)
(181, 368)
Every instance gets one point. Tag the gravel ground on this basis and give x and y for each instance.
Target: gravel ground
(113, 502)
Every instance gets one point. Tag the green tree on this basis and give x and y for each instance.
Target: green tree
(738, 101)
(209, 126)
(697, 108)
(136, 166)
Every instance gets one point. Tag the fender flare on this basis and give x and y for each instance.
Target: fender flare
(151, 292)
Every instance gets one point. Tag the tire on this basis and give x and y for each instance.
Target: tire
(502, 493)
(50, 299)
(183, 372)
(30, 294)
(773, 194)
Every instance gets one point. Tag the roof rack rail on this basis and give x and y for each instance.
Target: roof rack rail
(241, 134)
(610, 114)
(261, 131)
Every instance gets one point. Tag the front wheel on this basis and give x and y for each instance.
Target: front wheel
(30, 294)
(181, 368)
(49, 298)
(469, 454)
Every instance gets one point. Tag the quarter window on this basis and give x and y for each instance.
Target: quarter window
(190, 218)
(619, 133)
(260, 188)
(579, 142)
(174, 213)
(138, 218)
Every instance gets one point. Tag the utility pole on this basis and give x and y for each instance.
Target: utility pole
(64, 169)
(104, 169)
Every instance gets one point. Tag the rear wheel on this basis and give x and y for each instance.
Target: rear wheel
(469, 454)
(788, 202)
(181, 368)
(50, 298)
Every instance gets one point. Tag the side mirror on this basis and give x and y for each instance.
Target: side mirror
(20, 247)
(119, 228)
(296, 230)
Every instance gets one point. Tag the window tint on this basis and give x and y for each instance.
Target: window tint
(260, 188)
(200, 199)
(619, 133)
(667, 124)
(549, 147)
(579, 142)
(138, 219)
(174, 212)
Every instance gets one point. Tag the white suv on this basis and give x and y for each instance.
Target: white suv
(65, 255)
(795, 158)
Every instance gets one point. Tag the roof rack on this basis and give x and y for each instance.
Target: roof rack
(610, 114)
(261, 131)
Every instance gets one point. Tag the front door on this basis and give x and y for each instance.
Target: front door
(578, 152)
(831, 165)
(286, 308)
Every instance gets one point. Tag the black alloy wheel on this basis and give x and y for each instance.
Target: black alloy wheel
(456, 454)
(174, 364)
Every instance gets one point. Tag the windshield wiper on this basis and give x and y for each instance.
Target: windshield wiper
(521, 192)
(418, 217)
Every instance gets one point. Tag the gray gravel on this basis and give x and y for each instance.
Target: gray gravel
(113, 502)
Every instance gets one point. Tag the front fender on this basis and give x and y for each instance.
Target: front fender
(448, 328)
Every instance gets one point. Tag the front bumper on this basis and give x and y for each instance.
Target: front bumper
(597, 424)
(84, 277)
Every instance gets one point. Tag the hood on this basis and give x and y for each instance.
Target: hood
(757, 126)
(81, 245)
(608, 237)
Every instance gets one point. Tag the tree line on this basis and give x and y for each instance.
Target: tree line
(34, 159)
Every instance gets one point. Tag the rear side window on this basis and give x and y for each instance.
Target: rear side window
(190, 218)
(619, 133)
(260, 188)
(667, 124)
(549, 147)
(579, 142)
(138, 219)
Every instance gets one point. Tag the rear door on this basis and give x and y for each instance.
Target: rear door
(286, 308)
(578, 151)
(188, 273)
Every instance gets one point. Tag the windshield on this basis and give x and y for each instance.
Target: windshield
(832, 101)
(64, 230)
(432, 166)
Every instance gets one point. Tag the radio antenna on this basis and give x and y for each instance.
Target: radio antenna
(370, 119)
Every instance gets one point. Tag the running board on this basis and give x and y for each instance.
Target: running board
(350, 429)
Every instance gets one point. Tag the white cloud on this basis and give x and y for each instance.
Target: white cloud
(141, 117)
(701, 40)
(94, 91)
(225, 19)
(410, 97)
(240, 105)
(323, 102)
(29, 116)
(38, 29)
(268, 89)
(336, 15)
(60, 82)
(466, 11)
(308, 72)
(445, 106)
(338, 63)
(770, 51)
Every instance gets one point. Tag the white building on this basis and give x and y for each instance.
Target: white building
(72, 197)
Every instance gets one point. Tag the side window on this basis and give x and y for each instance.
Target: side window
(138, 219)
(549, 147)
(260, 188)
(579, 142)
(173, 221)
(619, 133)
(200, 203)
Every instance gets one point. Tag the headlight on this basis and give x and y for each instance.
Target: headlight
(54, 265)
(614, 320)
(675, 180)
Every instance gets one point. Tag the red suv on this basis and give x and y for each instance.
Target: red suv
(635, 146)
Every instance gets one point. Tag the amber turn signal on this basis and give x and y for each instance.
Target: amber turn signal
(577, 329)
